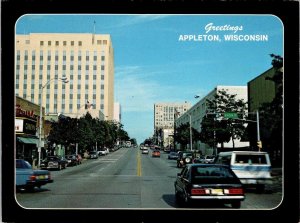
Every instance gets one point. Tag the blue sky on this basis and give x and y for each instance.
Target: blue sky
(152, 65)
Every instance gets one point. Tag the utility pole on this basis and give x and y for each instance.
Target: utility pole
(191, 139)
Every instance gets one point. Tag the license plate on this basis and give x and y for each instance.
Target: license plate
(42, 177)
(217, 191)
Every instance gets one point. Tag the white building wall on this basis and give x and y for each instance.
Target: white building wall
(117, 112)
(199, 110)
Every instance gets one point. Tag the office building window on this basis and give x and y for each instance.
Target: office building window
(56, 43)
(64, 43)
(80, 43)
(49, 43)
(41, 43)
(72, 43)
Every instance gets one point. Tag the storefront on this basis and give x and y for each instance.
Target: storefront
(26, 129)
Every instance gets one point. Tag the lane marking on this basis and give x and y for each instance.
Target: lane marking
(139, 165)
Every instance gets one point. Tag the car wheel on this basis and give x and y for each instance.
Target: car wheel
(30, 188)
(186, 200)
(187, 160)
(260, 188)
(236, 204)
(177, 197)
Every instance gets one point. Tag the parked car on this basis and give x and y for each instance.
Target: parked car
(205, 159)
(54, 162)
(72, 160)
(155, 153)
(103, 152)
(208, 182)
(173, 156)
(93, 155)
(184, 157)
(145, 151)
(27, 178)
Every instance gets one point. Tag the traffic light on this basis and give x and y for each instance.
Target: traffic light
(259, 144)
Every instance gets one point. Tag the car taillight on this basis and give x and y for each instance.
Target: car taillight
(32, 178)
(234, 191)
(198, 191)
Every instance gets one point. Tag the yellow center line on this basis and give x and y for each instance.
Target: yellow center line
(139, 165)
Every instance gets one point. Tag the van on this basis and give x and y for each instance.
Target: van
(253, 168)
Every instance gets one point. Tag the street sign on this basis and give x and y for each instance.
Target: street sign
(230, 115)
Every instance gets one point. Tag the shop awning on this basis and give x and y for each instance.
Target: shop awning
(28, 140)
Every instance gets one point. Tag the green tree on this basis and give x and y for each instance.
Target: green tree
(214, 128)
(182, 135)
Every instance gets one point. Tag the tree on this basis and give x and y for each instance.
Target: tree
(214, 128)
(182, 134)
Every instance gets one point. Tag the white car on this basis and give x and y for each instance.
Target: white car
(145, 151)
(103, 152)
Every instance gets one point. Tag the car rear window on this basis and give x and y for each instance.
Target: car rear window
(209, 174)
(250, 159)
(22, 164)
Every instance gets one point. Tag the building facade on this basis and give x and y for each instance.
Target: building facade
(261, 90)
(87, 60)
(164, 119)
(26, 129)
(164, 113)
(196, 113)
(117, 112)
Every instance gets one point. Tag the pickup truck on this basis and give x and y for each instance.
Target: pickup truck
(27, 178)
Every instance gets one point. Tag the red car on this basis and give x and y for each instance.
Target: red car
(156, 153)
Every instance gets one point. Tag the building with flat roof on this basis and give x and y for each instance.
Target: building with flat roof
(165, 114)
(86, 59)
(196, 113)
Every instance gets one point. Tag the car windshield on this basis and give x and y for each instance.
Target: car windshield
(187, 154)
(52, 158)
(213, 174)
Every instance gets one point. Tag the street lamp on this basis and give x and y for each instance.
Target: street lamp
(64, 80)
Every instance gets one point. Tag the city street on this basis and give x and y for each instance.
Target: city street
(126, 179)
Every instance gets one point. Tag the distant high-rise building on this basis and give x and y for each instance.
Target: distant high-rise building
(87, 60)
(164, 114)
